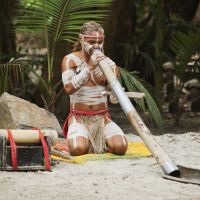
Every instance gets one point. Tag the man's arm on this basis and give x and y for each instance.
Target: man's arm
(98, 75)
(71, 80)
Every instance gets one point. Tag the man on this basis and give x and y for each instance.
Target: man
(90, 128)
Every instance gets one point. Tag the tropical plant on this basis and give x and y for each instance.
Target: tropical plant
(147, 48)
(54, 21)
(157, 20)
(133, 83)
(59, 20)
(183, 45)
(12, 77)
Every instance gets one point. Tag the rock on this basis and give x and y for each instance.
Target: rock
(17, 113)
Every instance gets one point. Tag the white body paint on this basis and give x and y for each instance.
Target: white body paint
(70, 75)
(77, 129)
(89, 95)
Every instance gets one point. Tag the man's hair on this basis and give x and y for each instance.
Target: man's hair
(91, 26)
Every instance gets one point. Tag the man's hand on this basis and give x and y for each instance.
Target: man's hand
(92, 64)
(95, 59)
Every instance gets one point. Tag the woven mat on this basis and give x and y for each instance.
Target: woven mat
(135, 150)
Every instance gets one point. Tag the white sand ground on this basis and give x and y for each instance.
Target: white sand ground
(137, 179)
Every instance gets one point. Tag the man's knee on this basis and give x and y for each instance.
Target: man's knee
(78, 146)
(120, 148)
(78, 150)
(117, 144)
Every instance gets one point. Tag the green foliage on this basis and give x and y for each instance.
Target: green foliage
(157, 24)
(53, 21)
(12, 77)
(184, 46)
(132, 83)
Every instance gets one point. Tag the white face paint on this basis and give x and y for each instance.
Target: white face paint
(92, 41)
(87, 46)
(97, 36)
(101, 46)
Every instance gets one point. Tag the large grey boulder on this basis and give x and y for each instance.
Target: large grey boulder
(17, 113)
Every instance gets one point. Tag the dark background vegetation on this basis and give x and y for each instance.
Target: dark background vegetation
(141, 37)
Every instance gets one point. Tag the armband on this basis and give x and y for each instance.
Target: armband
(79, 79)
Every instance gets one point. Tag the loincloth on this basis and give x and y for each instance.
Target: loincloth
(95, 124)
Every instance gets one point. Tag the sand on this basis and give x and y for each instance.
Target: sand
(122, 179)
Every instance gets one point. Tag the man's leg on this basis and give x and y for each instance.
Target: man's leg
(115, 139)
(77, 138)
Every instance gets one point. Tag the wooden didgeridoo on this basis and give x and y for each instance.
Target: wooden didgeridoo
(22, 136)
(158, 153)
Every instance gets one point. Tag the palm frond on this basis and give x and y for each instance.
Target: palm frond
(57, 20)
(149, 63)
(133, 84)
(58, 14)
(184, 45)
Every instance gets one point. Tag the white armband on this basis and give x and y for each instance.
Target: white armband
(78, 80)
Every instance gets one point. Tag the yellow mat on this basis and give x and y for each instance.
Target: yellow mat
(135, 150)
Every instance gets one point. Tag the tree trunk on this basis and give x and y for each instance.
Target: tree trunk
(119, 29)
